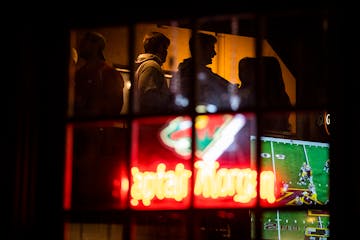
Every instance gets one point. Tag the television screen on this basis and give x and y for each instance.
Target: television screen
(300, 169)
(303, 224)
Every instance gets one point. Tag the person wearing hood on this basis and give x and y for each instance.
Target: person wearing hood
(194, 78)
(152, 94)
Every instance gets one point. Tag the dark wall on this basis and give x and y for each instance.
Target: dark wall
(36, 100)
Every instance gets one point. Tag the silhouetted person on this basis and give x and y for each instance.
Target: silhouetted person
(273, 95)
(97, 148)
(247, 74)
(214, 93)
(98, 85)
(152, 94)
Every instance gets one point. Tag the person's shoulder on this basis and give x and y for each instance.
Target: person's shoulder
(111, 70)
(151, 63)
(222, 81)
(108, 66)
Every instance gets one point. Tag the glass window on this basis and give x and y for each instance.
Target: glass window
(223, 130)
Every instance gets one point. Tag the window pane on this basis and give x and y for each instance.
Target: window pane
(93, 231)
(161, 163)
(99, 61)
(97, 166)
(206, 79)
(206, 94)
(157, 50)
(225, 173)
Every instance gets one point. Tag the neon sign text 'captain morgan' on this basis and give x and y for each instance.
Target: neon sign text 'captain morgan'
(210, 182)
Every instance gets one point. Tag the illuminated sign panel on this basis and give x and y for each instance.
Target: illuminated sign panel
(160, 172)
(162, 184)
(163, 174)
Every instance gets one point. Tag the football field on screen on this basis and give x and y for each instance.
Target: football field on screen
(295, 225)
(288, 158)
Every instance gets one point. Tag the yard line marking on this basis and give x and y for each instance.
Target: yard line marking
(273, 158)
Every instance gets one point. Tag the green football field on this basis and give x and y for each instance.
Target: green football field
(295, 225)
(285, 158)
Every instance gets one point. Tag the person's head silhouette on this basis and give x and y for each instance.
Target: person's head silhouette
(91, 46)
(202, 47)
(156, 43)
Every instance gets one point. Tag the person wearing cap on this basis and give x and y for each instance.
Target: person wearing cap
(98, 85)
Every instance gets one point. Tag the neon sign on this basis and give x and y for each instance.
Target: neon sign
(237, 183)
(210, 182)
(161, 184)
